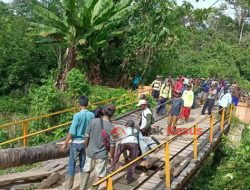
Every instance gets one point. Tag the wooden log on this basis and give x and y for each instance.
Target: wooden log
(51, 180)
(20, 156)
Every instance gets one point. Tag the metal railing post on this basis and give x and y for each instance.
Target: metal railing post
(109, 184)
(211, 135)
(222, 120)
(25, 126)
(230, 114)
(167, 165)
(195, 143)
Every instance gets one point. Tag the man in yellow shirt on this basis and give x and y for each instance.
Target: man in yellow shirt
(188, 98)
(165, 94)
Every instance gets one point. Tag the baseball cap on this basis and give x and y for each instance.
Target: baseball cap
(142, 102)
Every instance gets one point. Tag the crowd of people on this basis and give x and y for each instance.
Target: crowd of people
(98, 145)
(184, 93)
(96, 142)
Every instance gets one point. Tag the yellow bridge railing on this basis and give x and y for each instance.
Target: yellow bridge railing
(224, 117)
(25, 123)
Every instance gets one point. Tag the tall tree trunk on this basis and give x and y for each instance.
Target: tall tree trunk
(20, 156)
(94, 74)
(70, 61)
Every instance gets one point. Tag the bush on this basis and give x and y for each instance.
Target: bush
(76, 84)
(46, 99)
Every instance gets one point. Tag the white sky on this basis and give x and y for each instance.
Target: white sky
(202, 3)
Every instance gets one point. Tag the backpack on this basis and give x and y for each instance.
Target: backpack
(152, 117)
(105, 136)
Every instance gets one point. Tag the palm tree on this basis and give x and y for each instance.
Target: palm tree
(86, 23)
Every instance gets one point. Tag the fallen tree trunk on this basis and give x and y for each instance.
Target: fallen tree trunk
(21, 156)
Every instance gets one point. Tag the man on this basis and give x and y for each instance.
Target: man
(178, 86)
(146, 118)
(174, 112)
(209, 103)
(77, 135)
(236, 95)
(128, 143)
(225, 99)
(204, 92)
(98, 142)
(156, 85)
(196, 90)
(136, 82)
(165, 93)
(188, 98)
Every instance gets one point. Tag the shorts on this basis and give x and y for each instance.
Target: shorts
(235, 100)
(97, 164)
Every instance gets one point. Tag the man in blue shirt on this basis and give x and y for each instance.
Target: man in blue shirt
(77, 135)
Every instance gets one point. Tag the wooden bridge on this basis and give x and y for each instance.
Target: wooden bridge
(172, 164)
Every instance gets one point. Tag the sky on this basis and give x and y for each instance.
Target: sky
(202, 3)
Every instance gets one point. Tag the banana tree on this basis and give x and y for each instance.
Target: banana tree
(85, 25)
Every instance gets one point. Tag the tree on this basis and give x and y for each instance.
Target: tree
(19, 56)
(242, 13)
(86, 23)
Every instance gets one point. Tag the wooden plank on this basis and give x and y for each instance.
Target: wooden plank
(29, 175)
(182, 165)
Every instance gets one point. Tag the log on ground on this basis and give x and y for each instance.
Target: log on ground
(13, 157)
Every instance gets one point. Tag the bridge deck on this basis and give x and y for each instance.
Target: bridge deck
(181, 156)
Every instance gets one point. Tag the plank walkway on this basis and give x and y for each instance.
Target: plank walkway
(183, 165)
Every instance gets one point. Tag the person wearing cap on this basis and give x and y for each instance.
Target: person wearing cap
(156, 85)
(174, 112)
(97, 152)
(188, 98)
(146, 118)
(128, 143)
(225, 99)
(165, 94)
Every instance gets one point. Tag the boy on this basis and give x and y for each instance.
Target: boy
(77, 135)
(175, 109)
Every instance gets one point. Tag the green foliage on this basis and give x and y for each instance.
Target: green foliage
(76, 84)
(85, 26)
(14, 104)
(22, 62)
(19, 169)
(46, 99)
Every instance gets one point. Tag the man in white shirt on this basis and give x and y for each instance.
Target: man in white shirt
(128, 143)
(225, 99)
(146, 118)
